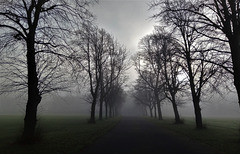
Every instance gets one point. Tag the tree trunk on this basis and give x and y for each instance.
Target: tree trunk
(158, 106)
(235, 46)
(145, 112)
(155, 111)
(196, 99)
(175, 109)
(106, 109)
(198, 115)
(237, 85)
(151, 112)
(101, 95)
(159, 111)
(34, 97)
(92, 118)
(101, 107)
(30, 119)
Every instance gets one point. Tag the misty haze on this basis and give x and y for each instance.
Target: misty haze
(120, 76)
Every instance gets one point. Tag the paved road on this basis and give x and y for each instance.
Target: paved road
(139, 136)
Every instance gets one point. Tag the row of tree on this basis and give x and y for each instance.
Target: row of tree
(103, 60)
(52, 45)
(159, 71)
(197, 52)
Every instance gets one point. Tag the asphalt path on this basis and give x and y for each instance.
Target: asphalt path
(140, 136)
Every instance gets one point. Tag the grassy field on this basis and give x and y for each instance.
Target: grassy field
(59, 134)
(222, 134)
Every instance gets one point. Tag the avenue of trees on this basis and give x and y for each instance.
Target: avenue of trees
(158, 68)
(196, 54)
(103, 60)
(53, 46)
(49, 46)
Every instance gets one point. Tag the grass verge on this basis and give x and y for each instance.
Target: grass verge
(59, 134)
(221, 134)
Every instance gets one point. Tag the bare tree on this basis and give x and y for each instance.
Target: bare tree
(94, 54)
(101, 62)
(37, 28)
(112, 72)
(148, 65)
(144, 95)
(50, 72)
(195, 49)
(163, 47)
(221, 19)
(171, 70)
(116, 98)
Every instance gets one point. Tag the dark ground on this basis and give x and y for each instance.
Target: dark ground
(140, 136)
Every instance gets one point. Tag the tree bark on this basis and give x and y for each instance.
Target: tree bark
(155, 111)
(175, 109)
(158, 106)
(159, 111)
(93, 108)
(30, 119)
(198, 114)
(101, 95)
(34, 98)
(196, 99)
(151, 112)
(235, 46)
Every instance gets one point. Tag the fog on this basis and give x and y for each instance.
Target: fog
(120, 18)
(52, 105)
(75, 105)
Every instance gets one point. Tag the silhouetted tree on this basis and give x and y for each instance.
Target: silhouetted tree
(38, 27)
(113, 71)
(101, 62)
(195, 49)
(116, 98)
(164, 48)
(148, 65)
(221, 20)
(93, 56)
(50, 72)
(170, 68)
(144, 95)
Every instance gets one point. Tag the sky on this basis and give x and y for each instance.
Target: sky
(127, 20)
